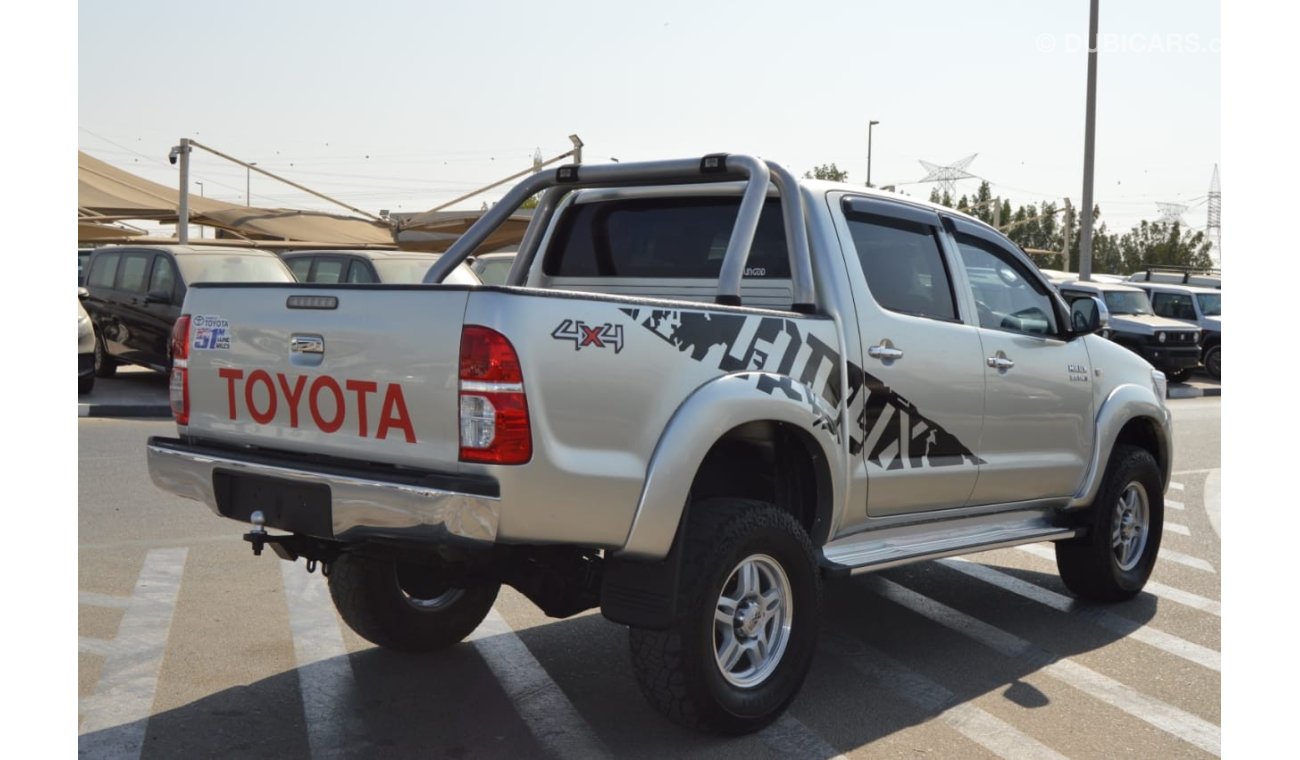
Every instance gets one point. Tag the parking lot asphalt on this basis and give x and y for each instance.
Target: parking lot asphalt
(139, 392)
(131, 392)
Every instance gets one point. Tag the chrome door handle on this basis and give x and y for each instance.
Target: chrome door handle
(1000, 362)
(884, 353)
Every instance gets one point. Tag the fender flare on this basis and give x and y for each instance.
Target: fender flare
(710, 412)
(1124, 404)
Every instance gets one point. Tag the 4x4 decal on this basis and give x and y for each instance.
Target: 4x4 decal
(595, 336)
(892, 429)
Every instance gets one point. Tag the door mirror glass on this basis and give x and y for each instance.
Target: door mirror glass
(1088, 315)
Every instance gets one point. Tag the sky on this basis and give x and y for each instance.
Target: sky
(406, 105)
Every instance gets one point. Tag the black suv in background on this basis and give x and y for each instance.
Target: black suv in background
(134, 295)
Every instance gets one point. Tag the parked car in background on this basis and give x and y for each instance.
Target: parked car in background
(1197, 305)
(1205, 278)
(368, 266)
(83, 258)
(85, 350)
(1170, 346)
(134, 295)
(492, 268)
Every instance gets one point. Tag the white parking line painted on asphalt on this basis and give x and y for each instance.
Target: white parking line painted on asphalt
(1173, 721)
(88, 645)
(553, 720)
(1161, 640)
(1154, 588)
(1173, 486)
(1178, 528)
(1174, 504)
(115, 718)
(791, 738)
(1186, 560)
(1201, 471)
(994, 734)
(325, 678)
(93, 599)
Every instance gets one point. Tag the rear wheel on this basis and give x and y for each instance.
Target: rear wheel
(746, 625)
(85, 383)
(1113, 561)
(105, 365)
(403, 607)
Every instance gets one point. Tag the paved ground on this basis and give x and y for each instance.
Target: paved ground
(191, 647)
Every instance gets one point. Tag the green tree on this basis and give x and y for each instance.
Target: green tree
(829, 172)
(1163, 244)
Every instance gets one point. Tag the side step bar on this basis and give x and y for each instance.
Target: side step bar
(888, 547)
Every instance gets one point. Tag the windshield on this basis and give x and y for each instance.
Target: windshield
(232, 267)
(1127, 302)
(413, 271)
(1209, 303)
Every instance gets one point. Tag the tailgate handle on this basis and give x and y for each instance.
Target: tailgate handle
(306, 350)
(307, 344)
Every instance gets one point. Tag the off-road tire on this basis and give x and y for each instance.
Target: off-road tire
(677, 668)
(1179, 375)
(1088, 565)
(105, 365)
(369, 598)
(85, 383)
(1211, 361)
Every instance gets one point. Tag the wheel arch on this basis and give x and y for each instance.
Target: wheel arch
(1134, 415)
(737, 421)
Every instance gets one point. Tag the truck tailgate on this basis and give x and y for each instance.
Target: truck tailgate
(365, 373)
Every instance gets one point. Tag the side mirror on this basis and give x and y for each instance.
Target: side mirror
(1088, 315)
(82, 294)
(158, 296)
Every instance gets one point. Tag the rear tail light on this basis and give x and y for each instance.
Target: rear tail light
(179, 388)
(494, 426)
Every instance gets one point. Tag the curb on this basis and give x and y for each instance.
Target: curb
(1193, 392)
(123, 410)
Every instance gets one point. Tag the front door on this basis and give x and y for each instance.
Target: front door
(1037, 435)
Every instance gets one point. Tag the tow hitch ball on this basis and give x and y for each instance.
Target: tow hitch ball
(289, 547)
(257, 536)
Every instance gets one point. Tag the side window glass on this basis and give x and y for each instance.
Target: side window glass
(104, 270)
(1005, 295)
(300, 267)
(359, 272)
(328, 270)
(163, 279)
(1160, 304)
(903, 264)
(131, 275)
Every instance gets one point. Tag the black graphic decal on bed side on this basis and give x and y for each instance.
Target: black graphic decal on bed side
(893, 428)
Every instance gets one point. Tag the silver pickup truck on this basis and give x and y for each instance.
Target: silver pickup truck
(707, 388)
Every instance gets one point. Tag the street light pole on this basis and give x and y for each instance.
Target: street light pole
(200, 184)
(1089, 138)
(870, 124)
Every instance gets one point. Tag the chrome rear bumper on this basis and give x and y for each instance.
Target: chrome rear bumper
(360, 506)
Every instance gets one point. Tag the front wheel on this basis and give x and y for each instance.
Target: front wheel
(742, 642)
(1179, 375)
(1113, 561)
(105, 365)
(1211, 361)
(400, 607)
